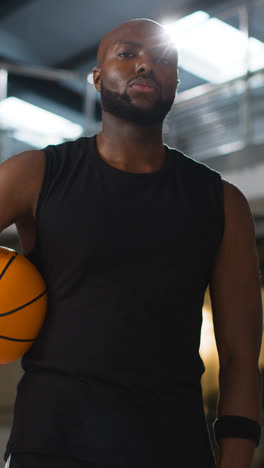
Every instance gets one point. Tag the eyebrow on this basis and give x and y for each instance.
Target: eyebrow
(169, 48)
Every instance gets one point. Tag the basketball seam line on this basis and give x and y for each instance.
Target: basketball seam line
(14, 339)
(7, 266)
(24, 305)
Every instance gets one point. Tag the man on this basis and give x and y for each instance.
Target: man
(128, 233)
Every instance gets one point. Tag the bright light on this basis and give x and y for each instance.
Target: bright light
(90, 78)
(36, 140)
(207, 346)
(34, 125)
(256, 54)
(185, 24)
(214, 50)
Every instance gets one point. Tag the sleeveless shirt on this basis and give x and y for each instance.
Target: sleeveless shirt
(114, 375)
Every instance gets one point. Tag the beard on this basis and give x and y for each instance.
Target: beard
(120, 105)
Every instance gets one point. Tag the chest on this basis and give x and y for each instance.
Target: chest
(97, 228)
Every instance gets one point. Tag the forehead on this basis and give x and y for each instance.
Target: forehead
(148, 34)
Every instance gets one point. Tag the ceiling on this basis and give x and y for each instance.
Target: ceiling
(65, 34)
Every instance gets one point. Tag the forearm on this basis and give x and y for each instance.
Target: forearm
(240, 394)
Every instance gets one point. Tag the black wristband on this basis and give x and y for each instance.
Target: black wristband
(237, 426)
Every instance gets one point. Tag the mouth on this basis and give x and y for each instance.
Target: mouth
(143, 88)
(144, 85)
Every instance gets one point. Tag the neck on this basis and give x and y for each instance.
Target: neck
(131, 147)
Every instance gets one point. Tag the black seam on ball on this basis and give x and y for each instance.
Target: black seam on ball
(24, 305)
(14, 339)
(7, 265)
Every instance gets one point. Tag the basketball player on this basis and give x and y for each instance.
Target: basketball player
(128, 233)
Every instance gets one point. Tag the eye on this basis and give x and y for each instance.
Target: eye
(163, 60)
(126, 54)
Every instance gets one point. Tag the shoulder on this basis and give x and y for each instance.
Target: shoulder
(20, 179)
(67, 147)
(22, 165)
(61, 158)
(239, 226)
(192, 164)
(236, 203)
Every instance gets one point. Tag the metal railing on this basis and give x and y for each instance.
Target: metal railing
(218, 119)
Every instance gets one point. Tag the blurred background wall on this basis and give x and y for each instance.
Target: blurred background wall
(47, 52)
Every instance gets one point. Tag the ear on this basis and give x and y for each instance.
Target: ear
(97, 78)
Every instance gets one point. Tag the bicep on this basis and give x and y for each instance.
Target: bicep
(19, 179)
(235, 283)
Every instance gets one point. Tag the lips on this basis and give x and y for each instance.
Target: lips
(144, 84)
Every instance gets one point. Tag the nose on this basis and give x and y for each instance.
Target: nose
(144, 64)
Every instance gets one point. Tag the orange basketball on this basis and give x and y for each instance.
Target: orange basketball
(23, 304)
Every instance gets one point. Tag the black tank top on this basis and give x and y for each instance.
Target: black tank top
(114, 375)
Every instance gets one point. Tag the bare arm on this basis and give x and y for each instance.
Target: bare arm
(237, 314)
(20, 181)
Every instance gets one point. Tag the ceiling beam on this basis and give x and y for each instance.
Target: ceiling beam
(53, 91)
(217, 6)
(78, 60)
